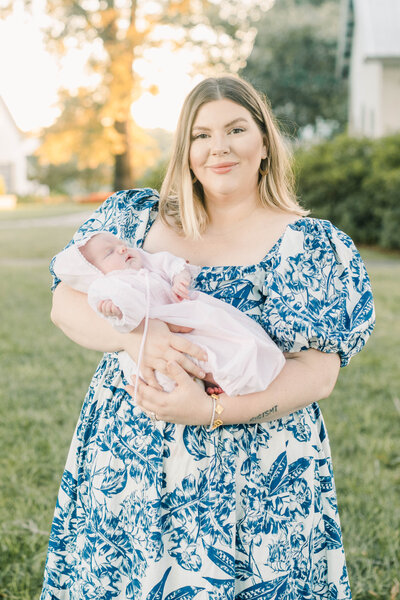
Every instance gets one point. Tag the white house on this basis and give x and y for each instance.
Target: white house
(14, 147)
(369, 55)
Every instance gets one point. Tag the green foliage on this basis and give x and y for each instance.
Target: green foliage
(69, 178)
(355, 183)
(154, 177)
(29, 199)
(293, 63)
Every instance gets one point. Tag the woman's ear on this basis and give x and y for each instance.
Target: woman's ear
(264, 150)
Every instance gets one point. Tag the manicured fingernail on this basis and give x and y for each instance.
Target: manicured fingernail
(202, 374)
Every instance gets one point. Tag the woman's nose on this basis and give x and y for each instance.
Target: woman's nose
(220, 145)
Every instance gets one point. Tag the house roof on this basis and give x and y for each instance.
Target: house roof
(6, 110)
(379, 21)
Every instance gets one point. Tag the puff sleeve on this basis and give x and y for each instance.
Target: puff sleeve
(317, 292)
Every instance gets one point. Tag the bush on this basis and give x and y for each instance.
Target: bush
(390, 232)
(29, 199)
(355, 183)
(154, 177)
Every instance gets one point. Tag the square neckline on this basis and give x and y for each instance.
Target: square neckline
(274, 248)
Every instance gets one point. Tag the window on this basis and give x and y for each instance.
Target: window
(7, 173)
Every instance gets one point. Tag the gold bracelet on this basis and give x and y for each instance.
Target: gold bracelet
(217, 422)
(210, 427)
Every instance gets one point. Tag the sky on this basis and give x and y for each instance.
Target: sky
(30, 76)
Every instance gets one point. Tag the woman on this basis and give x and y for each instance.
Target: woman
(184, 495)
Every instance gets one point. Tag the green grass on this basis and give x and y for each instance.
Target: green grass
(37, 211)
(44, 377)
(37, 244)
(363, 420)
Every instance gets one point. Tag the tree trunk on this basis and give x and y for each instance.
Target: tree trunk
(123, 172)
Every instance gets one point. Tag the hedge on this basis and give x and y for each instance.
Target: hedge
(355, 183)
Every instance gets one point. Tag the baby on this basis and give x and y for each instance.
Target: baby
(126, 285)
(107, 253)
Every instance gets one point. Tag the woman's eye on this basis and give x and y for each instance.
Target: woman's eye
(199, 136)
(237, 130)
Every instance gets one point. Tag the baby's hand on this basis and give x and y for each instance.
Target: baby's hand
(180, 285)
(109, 309)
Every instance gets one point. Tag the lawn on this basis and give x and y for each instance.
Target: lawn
(44, 377)
(37, 210)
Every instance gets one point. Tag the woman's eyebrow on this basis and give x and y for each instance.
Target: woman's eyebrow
(243, 119)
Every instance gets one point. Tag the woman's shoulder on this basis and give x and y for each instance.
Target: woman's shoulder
(320, 228)
(127, 214)
(313, 234)
(136, 199)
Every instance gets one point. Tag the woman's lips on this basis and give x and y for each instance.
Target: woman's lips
(222, 167)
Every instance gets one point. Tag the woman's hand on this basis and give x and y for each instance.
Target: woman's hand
(163, 346)
(187, 404)
(308, 376)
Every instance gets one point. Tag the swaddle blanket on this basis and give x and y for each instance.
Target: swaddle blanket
(241, 356)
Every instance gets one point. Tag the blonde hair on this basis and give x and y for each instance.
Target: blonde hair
(182, 197)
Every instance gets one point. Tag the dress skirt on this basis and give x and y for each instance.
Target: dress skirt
(149, 510)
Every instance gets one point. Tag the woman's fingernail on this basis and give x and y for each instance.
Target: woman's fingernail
(202, 374)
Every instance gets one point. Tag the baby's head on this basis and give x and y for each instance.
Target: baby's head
(108, 253)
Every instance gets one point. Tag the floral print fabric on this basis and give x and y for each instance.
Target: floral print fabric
(157, 511)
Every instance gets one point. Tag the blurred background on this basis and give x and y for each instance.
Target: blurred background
(90, 94)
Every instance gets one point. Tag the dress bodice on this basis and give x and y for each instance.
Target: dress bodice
(311, 289)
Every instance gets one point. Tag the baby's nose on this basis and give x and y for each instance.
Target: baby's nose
(122, 249)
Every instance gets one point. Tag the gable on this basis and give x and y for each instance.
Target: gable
(378, 24)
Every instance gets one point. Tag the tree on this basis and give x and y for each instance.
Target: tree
(95, 124)
(293, 62)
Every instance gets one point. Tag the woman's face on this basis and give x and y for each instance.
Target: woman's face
(226, 149)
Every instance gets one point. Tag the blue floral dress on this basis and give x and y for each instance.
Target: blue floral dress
(157, 511)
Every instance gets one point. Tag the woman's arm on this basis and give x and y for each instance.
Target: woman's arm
(73, 315)
(307, 377)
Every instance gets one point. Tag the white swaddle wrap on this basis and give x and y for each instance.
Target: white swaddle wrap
(241, 356)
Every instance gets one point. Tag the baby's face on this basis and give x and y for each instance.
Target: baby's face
(108, 253)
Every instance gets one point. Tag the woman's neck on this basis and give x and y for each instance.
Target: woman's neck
(226, 214)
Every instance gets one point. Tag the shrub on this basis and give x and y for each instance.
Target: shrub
(153, 177)
(355, 183)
